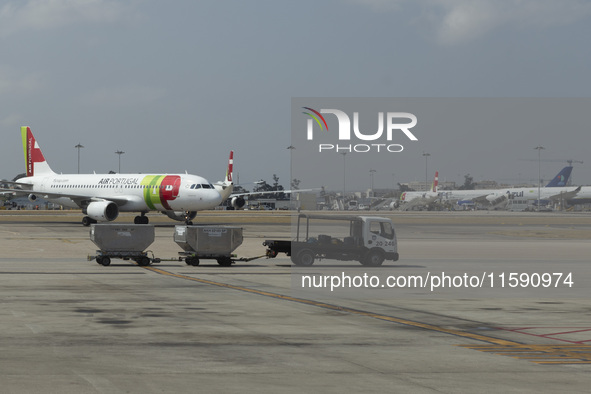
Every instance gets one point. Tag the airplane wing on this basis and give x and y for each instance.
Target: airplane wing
(80, 200)
(272, 192)
(15, 186)
(418, 202)
(15, 191)
(481, 199)
(565, 195)
(83, 201)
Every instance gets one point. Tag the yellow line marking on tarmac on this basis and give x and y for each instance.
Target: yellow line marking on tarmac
(539, 354)
(431, 327)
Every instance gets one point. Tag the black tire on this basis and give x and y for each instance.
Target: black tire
(106, 261)
(224, 261)
(141, 220)
(194, 261)
(143, 261)
(304, 258)
(86, 221)
(373, 258)
(99, 260)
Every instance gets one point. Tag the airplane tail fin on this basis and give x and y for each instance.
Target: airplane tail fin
(561, 179)
(435, 182)
(230, 170)
(34, 159)
(226, 187)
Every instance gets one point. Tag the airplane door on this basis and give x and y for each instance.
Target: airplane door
(176, 187)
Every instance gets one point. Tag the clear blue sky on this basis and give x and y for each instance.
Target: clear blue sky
(178, 84)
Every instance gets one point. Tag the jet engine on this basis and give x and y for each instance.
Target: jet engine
(237, 202)
(102, 211)
(32, 197)
(181, 216)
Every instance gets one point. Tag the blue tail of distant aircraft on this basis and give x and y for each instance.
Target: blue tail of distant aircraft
(561, 179)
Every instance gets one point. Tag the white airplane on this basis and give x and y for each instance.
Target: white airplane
(555, 190)
(102, 196)
(413, 199)
(226, 187)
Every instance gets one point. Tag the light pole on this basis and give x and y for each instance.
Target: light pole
(539, 149)
(119, 152)
(344, 154)
(78, 147)
(426, 174)
(371, 172)
(291, 148)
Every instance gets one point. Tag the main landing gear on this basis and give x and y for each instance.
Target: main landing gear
(87, 221)
(143, 219)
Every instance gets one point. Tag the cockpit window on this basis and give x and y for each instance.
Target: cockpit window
(202, 186)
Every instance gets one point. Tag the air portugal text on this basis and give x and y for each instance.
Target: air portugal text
(396, 124)
(119, 181)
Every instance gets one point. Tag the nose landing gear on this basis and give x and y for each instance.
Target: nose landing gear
(188, 217)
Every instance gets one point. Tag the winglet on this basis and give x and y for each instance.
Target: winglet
(34, 159)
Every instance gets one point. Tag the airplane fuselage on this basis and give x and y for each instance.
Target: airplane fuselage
(530, 193)
(491, 194)
(132, 192)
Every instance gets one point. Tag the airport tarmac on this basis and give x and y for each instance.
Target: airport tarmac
(70, 325)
